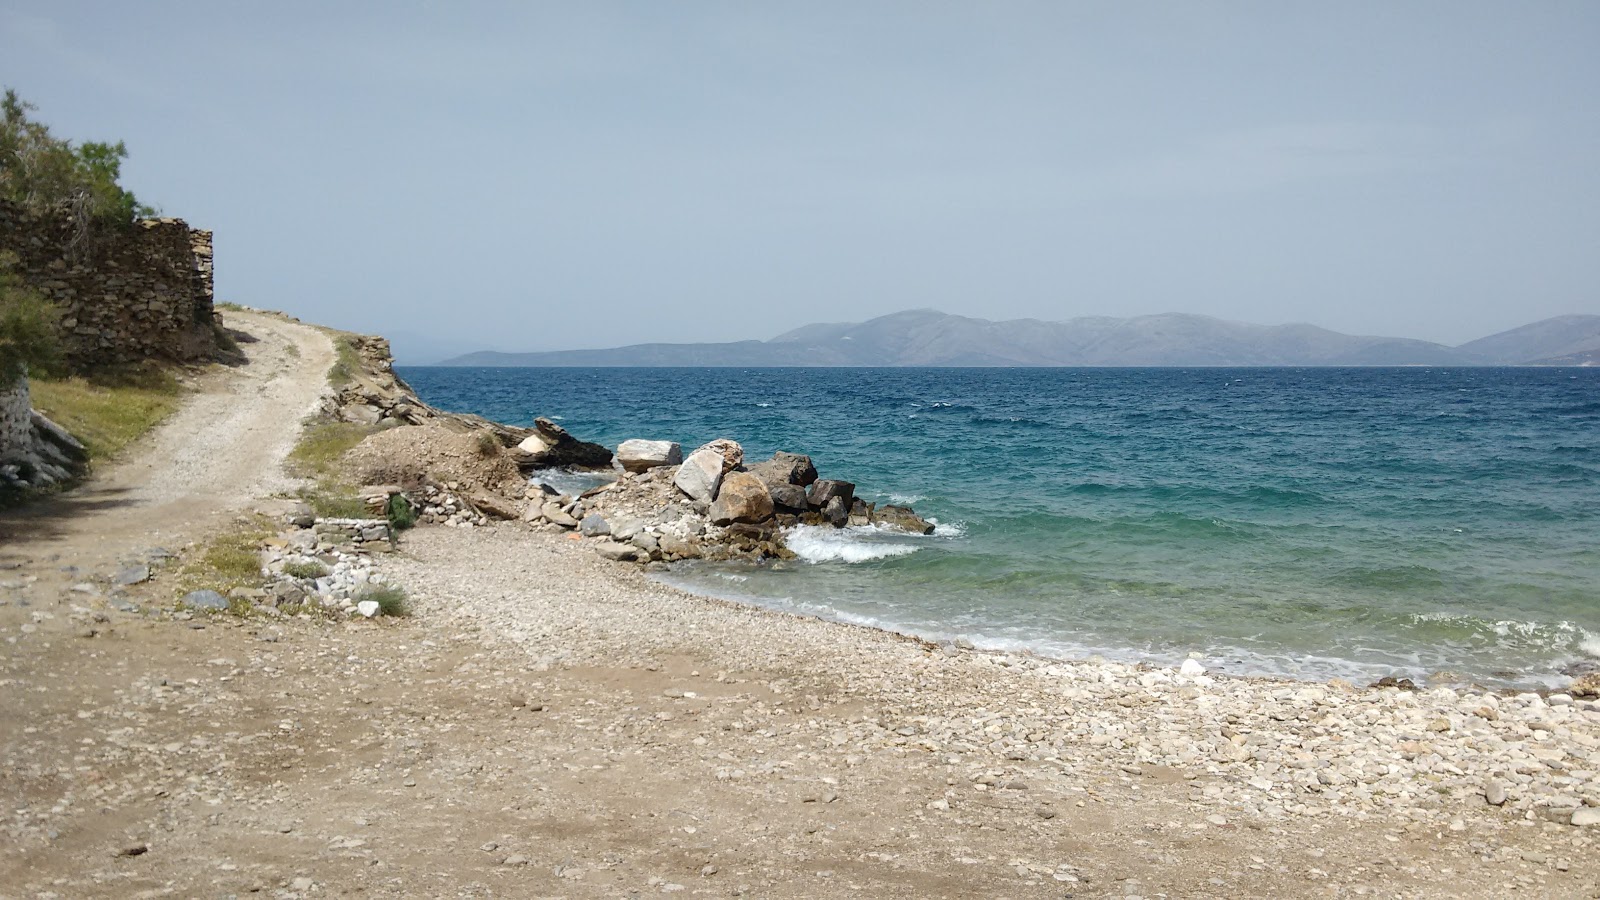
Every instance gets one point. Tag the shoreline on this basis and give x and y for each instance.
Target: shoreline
(1433, 753)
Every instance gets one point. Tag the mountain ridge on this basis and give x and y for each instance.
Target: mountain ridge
(927, 337)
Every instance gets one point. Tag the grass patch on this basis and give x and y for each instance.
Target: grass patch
(305, 569)
(347, 361)
(109, 410)
(391, 600)
(227, 561)
(322, 445)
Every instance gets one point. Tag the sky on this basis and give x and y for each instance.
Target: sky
(543, 176)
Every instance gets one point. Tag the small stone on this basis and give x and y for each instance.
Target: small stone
(302, 884)
(1495, 793)
(515, 859)
(368, 608)
(1216, 820)
(1191, 668)
(204, 600)
(1586, 817)
(131, 575)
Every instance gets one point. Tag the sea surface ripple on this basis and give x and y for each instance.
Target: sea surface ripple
(1299, 522)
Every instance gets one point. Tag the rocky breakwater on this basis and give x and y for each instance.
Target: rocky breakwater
(711, 505)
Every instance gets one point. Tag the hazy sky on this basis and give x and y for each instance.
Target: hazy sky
(530, 176)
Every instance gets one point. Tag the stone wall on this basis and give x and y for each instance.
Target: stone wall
(126, 294)
(15, 422)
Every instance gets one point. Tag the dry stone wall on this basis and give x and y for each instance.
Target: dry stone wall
(126, 294)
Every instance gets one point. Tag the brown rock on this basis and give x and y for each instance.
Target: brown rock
(824, 489)
(902, 518)
(742, 498)
(1585, 687)
(785, 468)
(495, 506)
(790, 497)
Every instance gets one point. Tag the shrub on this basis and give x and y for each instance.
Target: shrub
(391, 600)
(28, 338)
(305, 570)
(399, 512)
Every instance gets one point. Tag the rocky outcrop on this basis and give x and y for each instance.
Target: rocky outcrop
(903, 518)
(550, 446)
(638, 455)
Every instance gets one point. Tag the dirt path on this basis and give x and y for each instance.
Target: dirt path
(219, 452)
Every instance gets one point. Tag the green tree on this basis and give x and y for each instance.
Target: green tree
(28, 336)
(41, 171)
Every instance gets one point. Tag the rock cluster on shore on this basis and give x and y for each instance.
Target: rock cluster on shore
(710, 505)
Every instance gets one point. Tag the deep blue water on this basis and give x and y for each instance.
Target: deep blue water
(1317, 522)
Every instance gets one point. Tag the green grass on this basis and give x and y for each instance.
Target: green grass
(110, 410)
(305, 570)
(227, 561)
(391, 600)
(347, 362)
(322, 445)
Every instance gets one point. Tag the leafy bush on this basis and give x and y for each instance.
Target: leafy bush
(40, 171)
(28, 338)
(399, 512)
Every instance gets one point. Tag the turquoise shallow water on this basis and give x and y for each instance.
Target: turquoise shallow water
(1303, 522)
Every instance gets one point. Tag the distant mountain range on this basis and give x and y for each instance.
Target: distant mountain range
(926, 337)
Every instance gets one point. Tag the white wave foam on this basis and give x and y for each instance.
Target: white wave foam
(948, 529)
(861, 543)
(1590, 646)
(906, 499)
(764, 405)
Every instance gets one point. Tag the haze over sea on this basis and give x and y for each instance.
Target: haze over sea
(1302, 522)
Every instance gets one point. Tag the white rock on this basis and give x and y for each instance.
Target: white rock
(700, 475)
(368, 608)
(639, 455)
(1191, 668)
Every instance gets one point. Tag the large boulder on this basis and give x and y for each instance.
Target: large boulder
(729, 450)
(824, 490)
(700, 475)
(835, 512)
(785, 468)
(743, 498)
(640, 455)
(903, 518)
(787, 497)
(550, 445)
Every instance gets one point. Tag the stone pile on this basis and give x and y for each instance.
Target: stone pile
(366, 535)
(344, 583)
(710, 505)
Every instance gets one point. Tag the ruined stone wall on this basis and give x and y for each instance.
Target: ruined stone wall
(126, 294)
(15, 425)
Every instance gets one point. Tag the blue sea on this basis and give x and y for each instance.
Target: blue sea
(1315, 523)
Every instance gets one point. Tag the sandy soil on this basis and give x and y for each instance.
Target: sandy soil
(552, 725)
